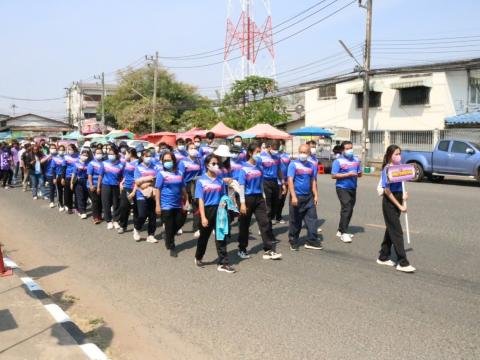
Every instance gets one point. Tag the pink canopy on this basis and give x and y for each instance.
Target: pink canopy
(222, 131)
(154, 138)
(266, 131)
(192, 133)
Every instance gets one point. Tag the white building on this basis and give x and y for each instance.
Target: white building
(402, 98)
(83, 100)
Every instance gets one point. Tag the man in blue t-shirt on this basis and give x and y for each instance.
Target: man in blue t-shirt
(302, 184)
(345, 170)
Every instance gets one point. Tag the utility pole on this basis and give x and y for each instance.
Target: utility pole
(154, 96)
(70, 122)
(13, 106)
(102, 78)
(366, 81)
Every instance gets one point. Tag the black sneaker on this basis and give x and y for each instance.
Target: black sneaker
(293, 247)
(173, 253)
(275, 241)
(199, 263)
(226, 268)
(317, 246)
(243, 254)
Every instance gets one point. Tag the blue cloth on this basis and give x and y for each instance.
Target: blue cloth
(222, 223)
(204, 151)
(190, 168)
(394, 187)
(70, 161)
(313, 159)
(142, 171)
(50, 167)
(209, 190)
(242, 156)
(80, 170)
(180, 155)
(170, 185)
(112, 172)
(302, 174)
(284, 162)
(270, 164)
(251, 176)
(344, 165)
(128, 173)
(95, 169)
(59, 165)
(38, 165)
(235, 168)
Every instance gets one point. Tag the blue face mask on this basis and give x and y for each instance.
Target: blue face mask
(181, 147)
(168, 165)
(112, 157)
(147, 160)
(349, 153)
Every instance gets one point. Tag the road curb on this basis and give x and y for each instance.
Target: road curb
(91, 350)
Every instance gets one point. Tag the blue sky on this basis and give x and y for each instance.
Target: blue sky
(48, 44)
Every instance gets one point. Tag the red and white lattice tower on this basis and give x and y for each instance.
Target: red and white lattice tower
(248, 46)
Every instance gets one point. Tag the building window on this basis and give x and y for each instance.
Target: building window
(375, 99)
(475, 91)
(327, 92)
(90, 115)
(418, 95)
(92, 97)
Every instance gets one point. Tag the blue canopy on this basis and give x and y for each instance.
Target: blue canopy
(468, 118)
(6, 135)
(75, 135)
(311, 131)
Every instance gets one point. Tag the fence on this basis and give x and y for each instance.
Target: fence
(423, 140)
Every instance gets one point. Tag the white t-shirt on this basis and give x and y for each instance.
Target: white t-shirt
(20, 154)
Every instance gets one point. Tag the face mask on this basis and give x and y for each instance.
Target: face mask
(83, 158)
(112, 157)
(197, 145)
(147, 160)
(61, 152)
(181, 147)
(214, 168)
(238, 143)
(313, 151)
(257, 158)
(168, 165)
(71, 152)
(123, 150)
(396, 159)
(234, 156)
(281, 148)
(349, 153)
(53, 151)
(104, 151)
(193, 152)
(99, 156)
(274, 152)
(302, 157)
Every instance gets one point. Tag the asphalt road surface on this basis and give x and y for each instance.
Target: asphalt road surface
(331, 304)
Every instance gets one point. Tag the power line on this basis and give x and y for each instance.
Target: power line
(27, 99)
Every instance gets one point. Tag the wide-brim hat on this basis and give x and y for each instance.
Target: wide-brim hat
(223, 151)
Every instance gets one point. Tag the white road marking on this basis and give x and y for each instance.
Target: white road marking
(31, 285)
(93, 352)
(383, 227)
(58, 314)
(9, 263)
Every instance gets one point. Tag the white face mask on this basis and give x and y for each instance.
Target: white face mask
(302, 157)
(61, 152)
(193, 152)
(214, 168)
(274, 152)
(238, 143)
(71, 152)
(99, 156)
(197, 144)
(313, 151)
(181, 147)
(83, 158)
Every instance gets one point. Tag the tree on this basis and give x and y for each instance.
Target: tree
(251, 102)
(204, 118)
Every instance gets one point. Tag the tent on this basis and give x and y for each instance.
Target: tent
(222, 131)
(93, 136)
(75, 135)
(192, 133)
(156, 137)
(120, 134)
(266, 131)
(311, 131)
(7, 135)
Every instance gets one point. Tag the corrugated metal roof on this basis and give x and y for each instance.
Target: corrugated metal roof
(412, 82)
(468, 118)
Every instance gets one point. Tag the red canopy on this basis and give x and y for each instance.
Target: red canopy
(192, 133)
(156, 137)
(266, 131)
(222, 131)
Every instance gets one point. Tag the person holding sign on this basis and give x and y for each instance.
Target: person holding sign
(392, 207)
(346, 169)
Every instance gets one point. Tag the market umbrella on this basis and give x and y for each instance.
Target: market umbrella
(222, 131)
(93, 136)
(311, 131)
(266, 131)
(120, 134)
(75, 135)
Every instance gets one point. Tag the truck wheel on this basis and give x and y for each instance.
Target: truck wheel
(436, 178)
(419, 171)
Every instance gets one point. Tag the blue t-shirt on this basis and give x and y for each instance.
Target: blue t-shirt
(204, 151)
(59, 165)
(112, 172)
(128, 173)
(70, 161)
(284, 162)
(251, 176)
(235, 168)
(50, 168)
(302, 174)
(242, 156)
(394, 187)
(94, 168)
(80, 170)
(190, 168)
(209, 190)
(141, 171)
(313, 159)
(170, 185)
(344, 165)
(180, 155)
(270, 164)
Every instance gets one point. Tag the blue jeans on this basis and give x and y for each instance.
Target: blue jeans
(37, 181)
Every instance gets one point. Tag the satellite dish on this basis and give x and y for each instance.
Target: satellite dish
(299, 109)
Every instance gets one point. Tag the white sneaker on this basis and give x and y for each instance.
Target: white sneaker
(259, 232)
(282, 222)
(274, 222)
(243, 254)
(386, 262)
(339, 234)
(116, 225)
(319, 230)
(109, 226)
(61, 208)
(83, 216)
(35, 198)
(271, 255)
(6, 187)
(407, 269)
(196, 234)
(346, 238)
(180, 232)
(52, 205)
(45, 198)
(136, 235)
(151, 239)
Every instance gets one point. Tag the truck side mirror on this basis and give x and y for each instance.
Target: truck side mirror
(470, 151)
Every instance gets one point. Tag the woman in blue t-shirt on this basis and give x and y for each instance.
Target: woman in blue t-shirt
(209, 190)
(392, 207)
(112, 175)
(94, 175)
(127, 190)
(70, 160)
(78, 182)
(50, 173)
(170, 194)
(59, 176)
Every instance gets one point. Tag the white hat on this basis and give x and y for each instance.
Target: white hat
(223, 150)
(86, 144)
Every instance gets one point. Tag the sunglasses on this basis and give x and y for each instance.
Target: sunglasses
(214, 163)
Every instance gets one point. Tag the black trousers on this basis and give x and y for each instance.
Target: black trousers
(393, 233)
(146, 210)
(347, 203)
(126, 207)
(281, 204)
(304, 211)
(7, 177)
(111, 200)
(173, 220)
(81, 194)
(60, 191)
(68, 194)
(271, 190)
(194, 202)
(96, 204)
(221, 245)
(52, 188)
(255, 205)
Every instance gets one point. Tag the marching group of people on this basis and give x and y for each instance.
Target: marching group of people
(216, 184)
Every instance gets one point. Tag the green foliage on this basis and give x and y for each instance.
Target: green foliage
(204, 118)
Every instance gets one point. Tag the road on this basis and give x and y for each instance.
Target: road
(331, 304)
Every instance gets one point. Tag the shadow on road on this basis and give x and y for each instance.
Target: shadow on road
(43, 271)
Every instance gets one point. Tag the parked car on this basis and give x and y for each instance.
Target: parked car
(450, 157)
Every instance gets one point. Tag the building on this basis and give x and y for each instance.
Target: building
(401, 98)
(31, 125)
(84, 99)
